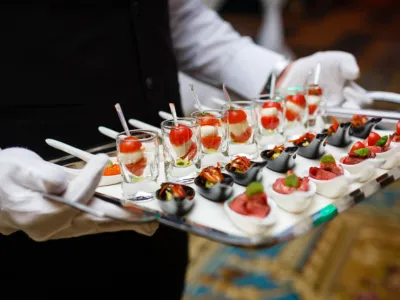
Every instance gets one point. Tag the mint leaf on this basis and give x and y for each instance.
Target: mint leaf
(292, 181)
(362, 151)
(327, 159)
(254, 188)
(382, 141)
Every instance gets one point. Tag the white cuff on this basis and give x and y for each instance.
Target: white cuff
(249, 70)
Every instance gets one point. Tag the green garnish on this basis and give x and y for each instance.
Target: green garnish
(327, 159)
(292, 181)
(362, 152)
(254, 188)
(382, 141)
(209, 184)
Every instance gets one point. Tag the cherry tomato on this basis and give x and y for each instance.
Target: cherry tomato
(270, 104)
(242, 138)
(211, 142)
(291, 116)
(298, 99)
(209, 119)
(315, 90)
(356, 146)
(180, 135)
(398, 128)
(270, 122)
(129, 144)
(373, 138)
(236, 116)
(114, 169)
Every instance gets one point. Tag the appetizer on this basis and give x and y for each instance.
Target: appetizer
(131, 154)
(240, 164)
(239, 128)
(334, 127)
(304, 140)
(328, 169)
(209, 132)
(279, 158)
(291, 183)
(295, 107)
(171, 191)
(376, 143)
(211, 176)
(275, 152)
(358, 120)
(358, 153)
(253, 202)
(182, 143)
(112, 169)
(396, 135)
(314, 98)
(270, 115)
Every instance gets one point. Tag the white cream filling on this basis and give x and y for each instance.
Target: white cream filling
(238, 128)
(182, 149)
(130, 158)
(294, 107)
(312, 99)
(269, 112)
(208, 130)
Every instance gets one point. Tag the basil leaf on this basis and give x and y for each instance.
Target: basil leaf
(292, 181)
(382, 141)
(254, 188)
(362, 151)
(327, 159)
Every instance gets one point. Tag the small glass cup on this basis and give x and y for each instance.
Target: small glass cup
(181, 148)
(316, 107)
(296, 110)
(270, 121)
(138, 157)
(241, 121)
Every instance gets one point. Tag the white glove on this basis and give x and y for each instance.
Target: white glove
(338, 70)
(24, 176)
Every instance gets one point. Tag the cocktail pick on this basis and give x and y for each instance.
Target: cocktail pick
(122, 119)
(196, 98)
(173, 111)
(226, 94)
(272, 87)
(317, 73)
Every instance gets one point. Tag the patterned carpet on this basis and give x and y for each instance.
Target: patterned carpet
(357, 255)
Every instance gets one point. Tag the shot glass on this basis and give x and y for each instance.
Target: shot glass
(316, 107)
(241, 121)
(213, 137)
(138, 157)
(296, 111)
(270, 121)
(181, 148)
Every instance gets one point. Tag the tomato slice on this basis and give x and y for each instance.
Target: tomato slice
(312, 108)
(211, 142)
(291, 116)
(180, 135)
(242, 138)
(356, 146)
(270, 104)
(129, 144)
(209, 119)
(236, 116)
(191, 153)
(373, 138)
(398, 127)
(270, 122)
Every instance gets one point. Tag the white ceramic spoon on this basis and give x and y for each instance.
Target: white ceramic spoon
(143, 125)
(108, 132)
(85, 156)
(165, 115)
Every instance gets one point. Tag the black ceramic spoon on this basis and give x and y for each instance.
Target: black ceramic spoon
(341, 138)
(252, 174)
(363, 131)
(219, 192)
(284, 162)
(177, 206)
(315, 149)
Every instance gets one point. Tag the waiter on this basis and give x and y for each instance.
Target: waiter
(64, 65)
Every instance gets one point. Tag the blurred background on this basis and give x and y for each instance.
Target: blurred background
(357, 255)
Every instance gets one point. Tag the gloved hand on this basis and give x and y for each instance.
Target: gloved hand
(338, 72)
(24, 176)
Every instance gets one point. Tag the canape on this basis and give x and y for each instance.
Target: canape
(131, 155)
(214, 185)
(314, 98)
(183, 145)
(338, 134)
(210, 138)
(396, 134)
(239, 128)
(244, 171)
(251, 211)
(293, 194)
(269, 118)
(280, 159)
(361, 126)
(361, 161)
(176, 199)
(330, 178)
(295, 107)
(311, 145)
(383, 147)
